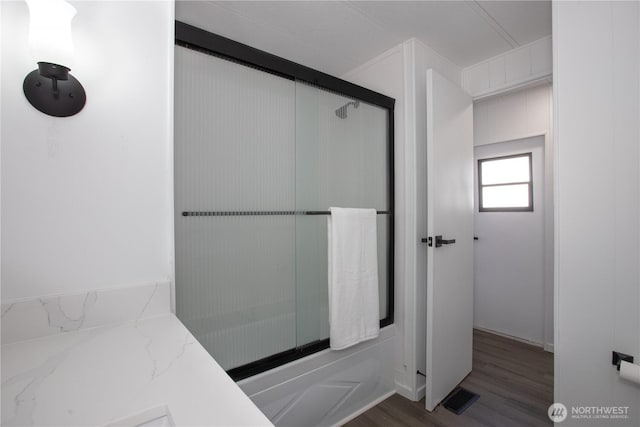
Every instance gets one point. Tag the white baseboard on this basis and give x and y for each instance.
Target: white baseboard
(500, 334)
(548, 347)
(404, 391)
(364, 409)
(422, 392)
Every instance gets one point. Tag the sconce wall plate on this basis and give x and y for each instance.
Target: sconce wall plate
(53, 91)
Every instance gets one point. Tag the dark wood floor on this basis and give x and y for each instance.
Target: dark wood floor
(514, 381)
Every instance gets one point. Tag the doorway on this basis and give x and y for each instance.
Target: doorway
(509, 253)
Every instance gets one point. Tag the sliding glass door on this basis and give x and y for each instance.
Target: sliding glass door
(341, 160)
(234, 152)
(259, 159)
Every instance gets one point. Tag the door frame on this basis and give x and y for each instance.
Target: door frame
(548, 238)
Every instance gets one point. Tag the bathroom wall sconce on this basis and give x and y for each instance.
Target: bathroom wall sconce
(50, 88)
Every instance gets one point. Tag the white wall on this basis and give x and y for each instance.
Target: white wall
(518, 115)
(597, 129)
(87, 200)
(513, 116)
(521, 67)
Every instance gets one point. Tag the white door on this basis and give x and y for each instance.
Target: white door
(449, 315)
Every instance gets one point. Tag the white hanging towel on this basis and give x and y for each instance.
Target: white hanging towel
(354, 314)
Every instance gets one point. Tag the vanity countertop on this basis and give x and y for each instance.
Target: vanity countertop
(97, 376)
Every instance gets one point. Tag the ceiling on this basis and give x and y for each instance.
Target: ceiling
(337, 36)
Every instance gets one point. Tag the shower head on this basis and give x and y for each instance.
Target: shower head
(342, 111)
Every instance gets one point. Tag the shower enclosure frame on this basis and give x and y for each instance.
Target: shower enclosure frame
(194, 38)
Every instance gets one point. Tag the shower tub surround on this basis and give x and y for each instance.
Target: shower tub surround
(114, 356)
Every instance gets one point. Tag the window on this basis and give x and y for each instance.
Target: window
(504, 184)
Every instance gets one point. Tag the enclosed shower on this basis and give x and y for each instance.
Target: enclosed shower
(260, 156)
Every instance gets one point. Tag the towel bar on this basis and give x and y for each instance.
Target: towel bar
(262, 213)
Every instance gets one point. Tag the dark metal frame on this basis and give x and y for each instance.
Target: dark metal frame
(529, 183)
(198, 39)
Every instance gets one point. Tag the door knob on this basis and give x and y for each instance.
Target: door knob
(440, 241)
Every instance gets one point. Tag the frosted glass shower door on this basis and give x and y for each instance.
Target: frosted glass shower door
(342, 160)
(259, 159)
(234, 174)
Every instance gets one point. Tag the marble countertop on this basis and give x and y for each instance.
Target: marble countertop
(97, 376)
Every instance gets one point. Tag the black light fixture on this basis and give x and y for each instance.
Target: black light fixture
(50, 88)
